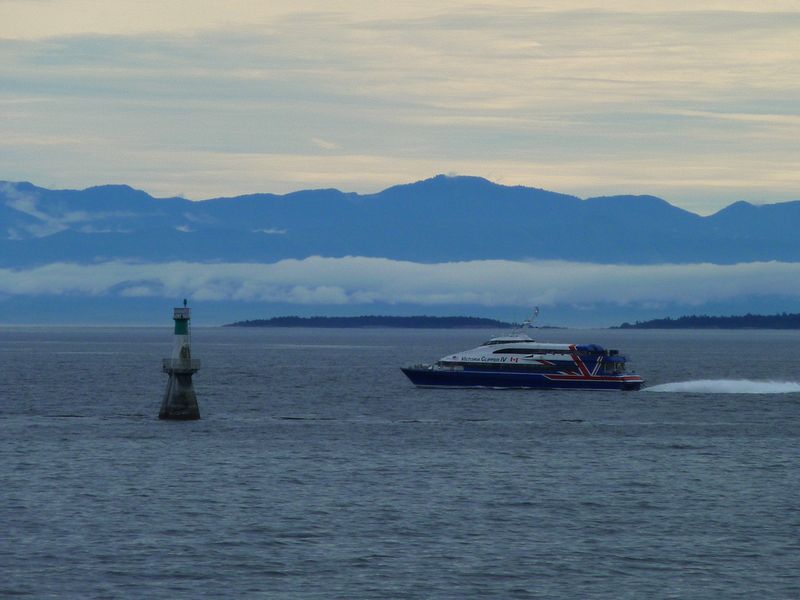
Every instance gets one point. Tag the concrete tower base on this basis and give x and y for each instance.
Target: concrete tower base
(180, 400)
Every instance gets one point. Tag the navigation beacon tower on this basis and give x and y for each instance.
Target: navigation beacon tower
(180, 400)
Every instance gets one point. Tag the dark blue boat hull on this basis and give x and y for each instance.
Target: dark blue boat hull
(425, 377)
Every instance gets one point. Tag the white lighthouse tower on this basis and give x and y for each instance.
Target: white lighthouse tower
(180, 400)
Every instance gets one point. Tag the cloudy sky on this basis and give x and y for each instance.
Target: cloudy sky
(366, 281)
(697, 102)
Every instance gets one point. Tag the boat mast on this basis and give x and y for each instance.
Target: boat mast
(528, 323)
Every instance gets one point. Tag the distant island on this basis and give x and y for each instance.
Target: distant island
(748, 321)
(418, 322)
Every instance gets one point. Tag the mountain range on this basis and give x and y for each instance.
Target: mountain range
(439, 219)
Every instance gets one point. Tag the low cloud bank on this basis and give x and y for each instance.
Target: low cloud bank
(361, 280)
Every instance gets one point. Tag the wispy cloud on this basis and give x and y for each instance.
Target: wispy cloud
(29, 20)
(54, 219)
(271, 231)
(44, 224)
(365, 281)
(325, 144)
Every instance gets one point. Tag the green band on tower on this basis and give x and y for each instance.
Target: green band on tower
(181, 326)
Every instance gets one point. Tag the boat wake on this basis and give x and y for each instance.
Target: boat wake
(727, 386)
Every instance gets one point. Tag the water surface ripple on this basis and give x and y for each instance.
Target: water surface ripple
(318, 471)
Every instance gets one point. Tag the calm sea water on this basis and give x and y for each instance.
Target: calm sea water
(319, 471)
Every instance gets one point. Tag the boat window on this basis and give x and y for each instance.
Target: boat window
(528, 351)
(591, 348)
(494, 342)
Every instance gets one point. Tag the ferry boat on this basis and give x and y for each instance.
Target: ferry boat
(517, 361)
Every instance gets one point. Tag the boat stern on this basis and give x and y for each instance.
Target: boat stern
(632, 383)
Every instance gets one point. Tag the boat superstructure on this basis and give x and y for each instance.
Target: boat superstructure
(518, 361)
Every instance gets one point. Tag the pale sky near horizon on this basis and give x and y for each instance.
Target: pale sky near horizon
(696, 102)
